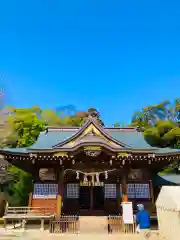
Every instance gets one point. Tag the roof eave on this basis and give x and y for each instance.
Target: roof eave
(75, 148)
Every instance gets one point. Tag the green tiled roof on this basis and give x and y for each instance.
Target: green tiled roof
(128, 137)
(133, 138)
(47, 141)
(166, 150)
(16, 150)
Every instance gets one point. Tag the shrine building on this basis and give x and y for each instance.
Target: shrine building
(91, 169)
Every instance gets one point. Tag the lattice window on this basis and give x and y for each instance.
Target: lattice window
(142, 190)
(45, 190)
(72, 190)
(110, 191)
(131, 190)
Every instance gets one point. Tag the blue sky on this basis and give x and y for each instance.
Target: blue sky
(117, 55)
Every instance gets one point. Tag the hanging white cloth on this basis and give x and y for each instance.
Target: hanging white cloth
(97, 177)
(77, 175)
(85, 178)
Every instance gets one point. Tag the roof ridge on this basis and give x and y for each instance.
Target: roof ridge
(56, 128)
(61, 129)
(126, 129)
(80, 130)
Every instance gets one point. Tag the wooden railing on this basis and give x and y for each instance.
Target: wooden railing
(64, 224)
(21, 215)
(116, 225)
(37, 211)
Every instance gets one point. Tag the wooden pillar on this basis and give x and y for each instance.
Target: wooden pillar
(118, 195)
(152, 197)
(30, 200)
(124, 185)
(60, 192)
(23, 224)
(42, 224)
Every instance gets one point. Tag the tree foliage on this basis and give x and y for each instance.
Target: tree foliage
(25, 124)
(160, 123)
(161, 126)
(58, 118)
(20, 189)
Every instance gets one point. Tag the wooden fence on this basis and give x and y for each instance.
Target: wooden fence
(116, 225)
(68, 224)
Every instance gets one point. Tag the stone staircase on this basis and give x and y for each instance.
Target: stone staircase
(93, 224)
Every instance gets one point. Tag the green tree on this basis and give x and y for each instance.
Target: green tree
(96, 114)
(117, 124)
(160, 123)
(26, 126)
(161, 126)
(6, 181)
(150, 115)
(20, 189)
(5, 129)
(51, 118)
(163, 134)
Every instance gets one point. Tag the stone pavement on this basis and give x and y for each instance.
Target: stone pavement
(93, 224)
(91, 228)
(38, 235)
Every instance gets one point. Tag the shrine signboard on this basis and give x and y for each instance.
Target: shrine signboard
(127, 213)
(89, 183)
